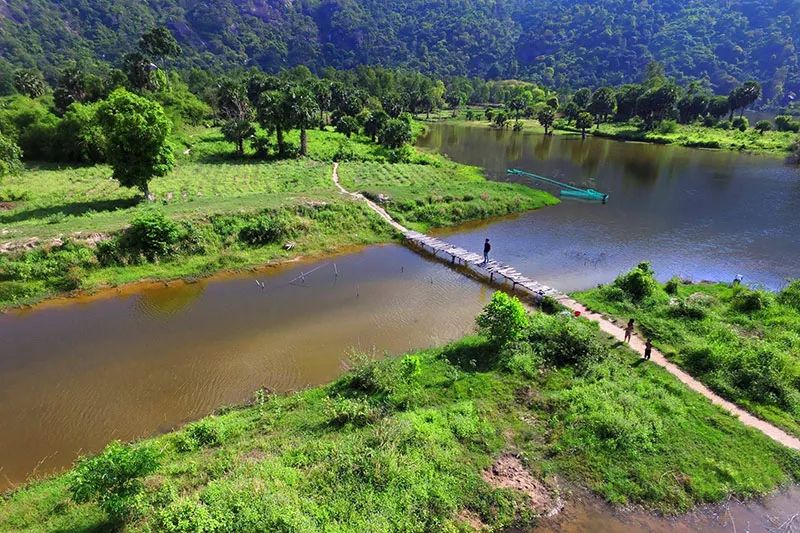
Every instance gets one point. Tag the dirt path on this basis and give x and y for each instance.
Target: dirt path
(636, 343)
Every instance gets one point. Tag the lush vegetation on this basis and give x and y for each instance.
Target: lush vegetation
(741, 342)
(441, 194)
(555, 43)
(405, 445)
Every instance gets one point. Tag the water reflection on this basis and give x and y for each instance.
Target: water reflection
(698, 213)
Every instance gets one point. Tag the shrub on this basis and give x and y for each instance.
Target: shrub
(262, 144)
(518, 126)
(113, 478)
(668, 126)
(685, 309)
(341, 411)
(504, 320)
(791, 295)
(187, 516)
(152, 235)
(709, 122)
(613, 293)
(671, 286)
(700, 359)
(265, 228)
(637, 284)
(345, 151)
(762, 126)
(748, 301)
(724, 125)
(759, 372)
(740, 123)
(786, 123)
(564, 340)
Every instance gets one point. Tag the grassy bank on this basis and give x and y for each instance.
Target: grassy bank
(224, 212)
(407, 445)
(777, 143)
(742, 343)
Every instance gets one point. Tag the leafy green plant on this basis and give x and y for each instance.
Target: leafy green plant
(790, 295)
(113, 478)
(671, 286)
(748, 301)
(356, 411)
(639, 283)
(503, 320)
(564, 340)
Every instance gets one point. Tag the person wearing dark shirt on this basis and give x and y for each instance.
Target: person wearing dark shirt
(486, 249)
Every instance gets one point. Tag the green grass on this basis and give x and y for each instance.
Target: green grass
(440, 194)
(385, 449)
(751, 357)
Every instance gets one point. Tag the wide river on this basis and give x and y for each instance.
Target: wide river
(78, 373)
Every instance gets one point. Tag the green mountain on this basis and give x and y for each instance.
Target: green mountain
(556, 42)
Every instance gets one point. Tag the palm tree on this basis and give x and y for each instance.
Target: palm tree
(301, 104)
(273, 116)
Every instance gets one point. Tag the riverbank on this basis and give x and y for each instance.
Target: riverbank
(217, 213)
(773, 143)
(449, 438)
(742, 343)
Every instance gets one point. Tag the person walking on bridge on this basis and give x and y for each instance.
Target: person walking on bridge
(486, 249)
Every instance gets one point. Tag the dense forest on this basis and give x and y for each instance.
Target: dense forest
(559, 43)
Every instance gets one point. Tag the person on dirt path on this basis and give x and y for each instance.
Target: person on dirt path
(628, 331)
(648, 348)
(486, 249)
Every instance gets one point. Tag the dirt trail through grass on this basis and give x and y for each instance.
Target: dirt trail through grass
(636, 344)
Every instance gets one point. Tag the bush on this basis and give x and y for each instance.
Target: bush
(564, 340)
(266, 228)
(113, 479)
(762, 126)
(341, 411)
(187, 516)
(668, 126)
(152, 234)
(740, 123)
(791, 295)
(504, 320)
(345, 151)
(518, 126)
(759, 372)
(786, 123)
(637, 284)
(687, 310)
(671, 286)
(749, 301)
(61, 267)
(709, 122)
(724, 125)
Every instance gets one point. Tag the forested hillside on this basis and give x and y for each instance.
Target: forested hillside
(561, 43)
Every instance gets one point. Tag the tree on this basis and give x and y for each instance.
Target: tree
(237, 131)
(233, 106)
(347, 125)
(500, 119)
(72, 87)
(582, 97)
(546, 117)
(392, 103)
(504, 320)
(654, 75)
(10, 157)
(626, 97)
(583, 122)
(743, 96)
(718, 107)
(159, 43)
(273, 116)
(692, 106)
(396, 134)
(29, 82)
(553, 102)
(141, 72)
(489, 114)
(375, 123)
(301, 105)
(571, 111)
(136, 131)
(322, 94)
(602, 104)
(654, 104)
(762, 126)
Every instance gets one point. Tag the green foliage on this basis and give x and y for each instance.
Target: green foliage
(29, 82)
(563, 340)
(583, 122)
(347, 125)
(395, 134)
(762, 126)
(671, 286)
(790, 295)
(787, 123)
(668, 126)
(113, 479)
(546, 116)
(136, 132)
(637, 284)
(747, 301)
(60, 267)
(740, 123)
(503, 320)
(10, 157)
(266, 228)
(152, 236)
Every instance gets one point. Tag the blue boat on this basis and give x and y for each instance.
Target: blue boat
(568, 191)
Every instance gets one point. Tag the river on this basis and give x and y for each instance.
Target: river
(77, 373)
(700, 214)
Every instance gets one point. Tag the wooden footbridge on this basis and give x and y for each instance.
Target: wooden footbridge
(493, 270)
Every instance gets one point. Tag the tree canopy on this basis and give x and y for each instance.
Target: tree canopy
(136, 131)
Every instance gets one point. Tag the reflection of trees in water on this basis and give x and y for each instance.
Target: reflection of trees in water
(640, 165)
(589, 154)
(514, 146)
(162, 301)
(543, 147)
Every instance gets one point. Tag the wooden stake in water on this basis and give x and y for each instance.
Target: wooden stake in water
(335, 271)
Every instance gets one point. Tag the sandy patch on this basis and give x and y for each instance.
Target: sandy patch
(508, 472)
